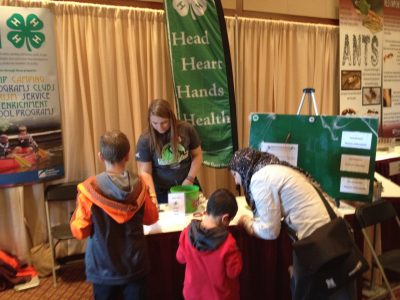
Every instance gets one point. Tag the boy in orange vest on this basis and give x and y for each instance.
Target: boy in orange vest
(111, 210)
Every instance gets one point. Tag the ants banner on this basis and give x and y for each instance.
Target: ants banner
(30, 125)
(361, 39)
(370, 61)
(391, 70)
(202, 74)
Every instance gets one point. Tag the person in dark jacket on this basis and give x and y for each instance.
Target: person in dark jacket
(4, 146)
(213, 260)
(111, 210)
(26, 143)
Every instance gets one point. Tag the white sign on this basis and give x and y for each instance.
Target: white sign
(286, 152)
(354, 185)
(176, 205)
(354, 163)
(30, 116)
(28, 69)
(361, 40)
(394, 168)
(356, 140)
(390, 71)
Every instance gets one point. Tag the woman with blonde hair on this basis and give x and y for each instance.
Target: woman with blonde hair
(169, 152)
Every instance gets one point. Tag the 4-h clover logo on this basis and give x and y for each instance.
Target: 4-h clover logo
(196, 7)
(25, 31)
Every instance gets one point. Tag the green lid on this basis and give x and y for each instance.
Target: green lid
(184, 188)
(191, 196)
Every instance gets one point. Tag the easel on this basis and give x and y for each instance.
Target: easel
(311, 99)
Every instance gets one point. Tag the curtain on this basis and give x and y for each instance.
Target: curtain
(112, 61)
(277, 60)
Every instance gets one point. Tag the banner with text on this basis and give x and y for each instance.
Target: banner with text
(202, 74)
(361, 40)
(30, 125)
(391, 69)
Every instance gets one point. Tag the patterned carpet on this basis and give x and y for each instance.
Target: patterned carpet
(379, 293)
(71, 285)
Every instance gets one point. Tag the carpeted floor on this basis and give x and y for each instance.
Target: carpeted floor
(379, 293)
(71, 285)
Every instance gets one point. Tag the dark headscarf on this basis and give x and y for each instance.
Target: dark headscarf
(248, 161)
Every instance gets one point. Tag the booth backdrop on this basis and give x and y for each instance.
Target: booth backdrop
(112, 61)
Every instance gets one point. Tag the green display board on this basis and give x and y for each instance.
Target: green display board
(338, 151)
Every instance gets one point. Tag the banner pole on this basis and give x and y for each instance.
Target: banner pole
(229, 75)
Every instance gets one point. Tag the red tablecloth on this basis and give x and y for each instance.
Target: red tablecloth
(264, 274)
(390, 230)
(265, 265)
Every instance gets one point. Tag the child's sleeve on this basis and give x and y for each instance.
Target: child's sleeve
(150, 211)
(180, 253)
(81, 221)
(233, 260)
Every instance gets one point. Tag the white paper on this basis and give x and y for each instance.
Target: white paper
(286, 152)
(356, 140)
(354, 185)
(394, 168)
(176, 205)
(354, 163)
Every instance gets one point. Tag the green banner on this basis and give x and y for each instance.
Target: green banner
(202, 74)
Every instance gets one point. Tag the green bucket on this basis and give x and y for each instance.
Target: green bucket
(191, 196)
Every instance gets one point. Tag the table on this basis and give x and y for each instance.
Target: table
(265, 263)
(391, 192)
(264, 274)
(387, 163)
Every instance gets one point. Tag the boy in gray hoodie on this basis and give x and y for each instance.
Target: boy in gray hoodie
(111, 210)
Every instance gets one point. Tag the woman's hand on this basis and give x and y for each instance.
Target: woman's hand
(247, 223)
(197, 158)
(187, 182)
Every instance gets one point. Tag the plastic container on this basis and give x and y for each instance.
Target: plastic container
(191, 196)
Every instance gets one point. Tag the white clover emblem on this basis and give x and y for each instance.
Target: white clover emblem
(196, 7)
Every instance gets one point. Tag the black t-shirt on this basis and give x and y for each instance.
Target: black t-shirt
(168, 171)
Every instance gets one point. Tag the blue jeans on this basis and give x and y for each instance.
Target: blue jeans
(132, 291)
